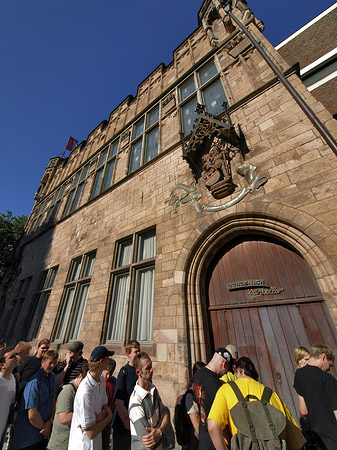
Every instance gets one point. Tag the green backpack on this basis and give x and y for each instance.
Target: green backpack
(258, 423)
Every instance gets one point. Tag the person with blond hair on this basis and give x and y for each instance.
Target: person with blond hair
(301, 356)
(317, 394)
(37, 407)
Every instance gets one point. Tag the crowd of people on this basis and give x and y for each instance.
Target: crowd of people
(77, 404)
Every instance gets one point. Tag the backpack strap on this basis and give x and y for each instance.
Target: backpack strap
(267, 393)
(244, 403)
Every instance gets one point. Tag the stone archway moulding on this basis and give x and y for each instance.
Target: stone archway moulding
(212, 239)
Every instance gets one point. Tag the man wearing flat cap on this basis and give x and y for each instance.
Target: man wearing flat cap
(70, 368)
(205, 386)
(91, 411)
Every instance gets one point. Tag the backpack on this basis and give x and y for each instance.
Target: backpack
(258, 423)
(182, 422)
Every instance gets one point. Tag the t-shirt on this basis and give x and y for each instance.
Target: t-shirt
(226, 398)
(319, 390)
(126, 381)
(60, 433)
(89, 401)
(205, 386)
(7, 398)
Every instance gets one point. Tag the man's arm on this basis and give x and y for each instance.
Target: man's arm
(216, 435)
(65, 417)
(123, 413)
(302, 406)
(155, 434)
(36, 420)
(60, 376)
(97, 427)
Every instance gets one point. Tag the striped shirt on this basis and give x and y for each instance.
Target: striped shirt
(145, 410)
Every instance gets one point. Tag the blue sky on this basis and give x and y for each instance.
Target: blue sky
(66, 65)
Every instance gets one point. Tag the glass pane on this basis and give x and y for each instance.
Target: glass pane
(88, 265)
(69, 200)
(84, 172)
(77, 314)
(103, 157)
(153, 116)
(115, 330)
(124, 253)
(138, 128)
(113, 149)
(77, 197)
(146, 245)
(189, 115)
(207, 73)
(151, 148)
(60, 192)
(214, 96)
(136, 155)
(64, 314)
(109, 170)
(97, 183)
(142, 315)
(75, 269)
(187, 89)
(42, 280)
(37, 316)
(76, 178)
(51, 277)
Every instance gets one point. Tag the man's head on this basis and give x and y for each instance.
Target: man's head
(22, 349)
(301, 356)
(42, 348)
(110, 370)
(221, 362)
(82, 374)
(49, 361)
(132, 349)
(244, 368)
(8, 360)
(99, 358)
(321, 356)
(3, 343)
(76, 350)
(143, 367)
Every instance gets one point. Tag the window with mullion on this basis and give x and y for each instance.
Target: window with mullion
(203, 87)
(76, 189)
(130, 310)
(105, 169)
(68, 324)
(145, 139)
(40, 301)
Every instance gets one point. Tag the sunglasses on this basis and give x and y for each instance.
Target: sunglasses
(13, 356)
(44, 348)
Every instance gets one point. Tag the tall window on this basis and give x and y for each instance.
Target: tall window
(145, 139)
(203, 87)
(40, 301)
(39, 215)
(130, 314)
(105, 169)
(75, 296)
(54, 205)
(76, 190)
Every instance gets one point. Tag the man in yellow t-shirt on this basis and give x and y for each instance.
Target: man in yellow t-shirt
(219, 417)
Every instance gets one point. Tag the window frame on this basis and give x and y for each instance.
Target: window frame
(102, 167)
(198, 93)
(66, 322)
(142, 138)
(131, 271)
(76, 190)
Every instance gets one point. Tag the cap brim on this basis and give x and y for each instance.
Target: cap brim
(111, 353)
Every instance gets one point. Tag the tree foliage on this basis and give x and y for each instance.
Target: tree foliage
(11, 228)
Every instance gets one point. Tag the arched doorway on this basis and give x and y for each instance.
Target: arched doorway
(264, 298)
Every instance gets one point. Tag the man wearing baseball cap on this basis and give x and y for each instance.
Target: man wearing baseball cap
(205, 386)
(70, 368)
(91, 413)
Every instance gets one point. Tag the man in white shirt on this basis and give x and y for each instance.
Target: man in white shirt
(91, 413)
(149, 418)
(8, 362)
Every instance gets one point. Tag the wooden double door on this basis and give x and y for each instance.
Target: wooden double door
(264, 299)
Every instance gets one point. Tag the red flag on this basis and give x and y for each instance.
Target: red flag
(72, 143)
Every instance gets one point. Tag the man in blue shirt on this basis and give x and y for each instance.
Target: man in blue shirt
(37, 407)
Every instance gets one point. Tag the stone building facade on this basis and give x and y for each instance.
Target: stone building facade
(188, 238)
